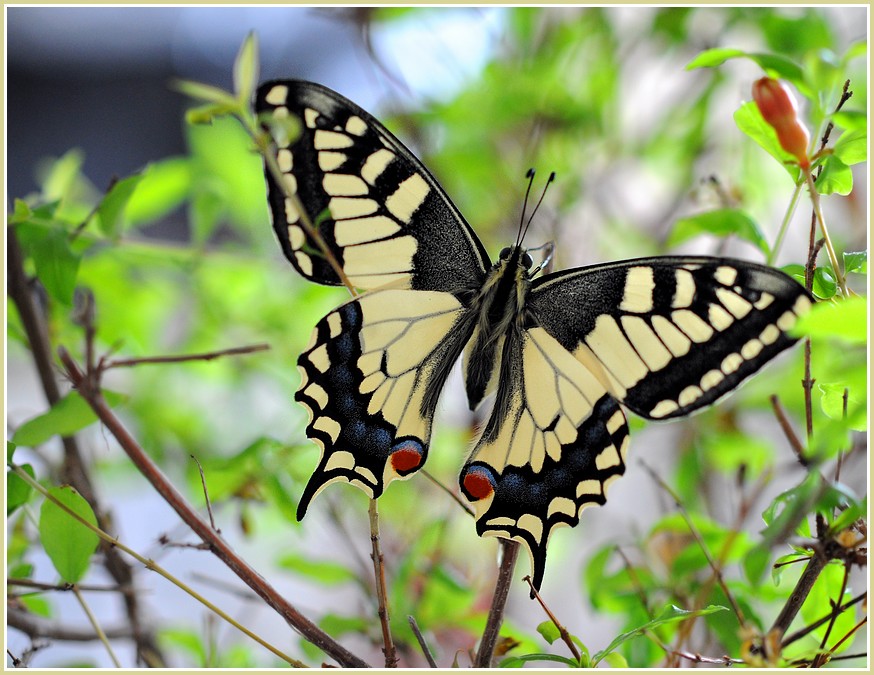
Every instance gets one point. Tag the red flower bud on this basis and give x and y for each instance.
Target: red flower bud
(778, 107)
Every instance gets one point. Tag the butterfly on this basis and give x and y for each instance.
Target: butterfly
(561, 353)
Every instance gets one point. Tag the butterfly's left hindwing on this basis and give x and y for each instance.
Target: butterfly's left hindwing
(554, 443)
(370, 380)
(383, 216)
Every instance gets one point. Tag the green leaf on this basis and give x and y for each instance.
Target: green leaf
(65, 418)
(549, 631)
(851, 120)
(206, 93)
(20, 213)
(113, 205)
(669, 614)
(852, 147)
(825, 285)
(832, 402)
(835, 178)
(18, 491)
(843, 321)
(616, 660)
(721, 223)
(57, 266)
(855, 262)
(325, 572)
(850, 515)
(775, 65)
(750, 121)
(67, 542)
(246, 69)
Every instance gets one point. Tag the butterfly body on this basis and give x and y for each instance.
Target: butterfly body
(663, 336)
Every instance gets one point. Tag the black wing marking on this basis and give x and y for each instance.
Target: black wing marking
(383, 215)
(370, 380)
(554, 443)
(668, 336)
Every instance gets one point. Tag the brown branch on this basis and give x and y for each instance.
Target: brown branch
(388, 649)
(421, 639)
(42, 586)
(89, 389)
(788, 431)
(74, 469)
(797, 635)
(815, 565)
(37, 627)
(181, 358)
(486, 651)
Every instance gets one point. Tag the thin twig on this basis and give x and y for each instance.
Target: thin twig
(486, 651)
(205, 356)
(38, 627)
(815, 565)
(836, 606)
(391, 657)
(90, 391)
(421, 639)
(95, 624)
(452, 494)
(206, 495)
(40, 585)
(562, 631)
(788, 431)
(635, 582)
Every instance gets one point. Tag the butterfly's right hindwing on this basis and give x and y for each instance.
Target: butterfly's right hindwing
(370, 380)
(383, 216)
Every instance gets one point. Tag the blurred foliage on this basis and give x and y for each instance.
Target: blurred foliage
(629, 110)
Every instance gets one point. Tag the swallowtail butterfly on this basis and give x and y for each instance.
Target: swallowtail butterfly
(563, 353)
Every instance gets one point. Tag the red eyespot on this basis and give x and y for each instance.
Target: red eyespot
(477, 484)
(407, 456)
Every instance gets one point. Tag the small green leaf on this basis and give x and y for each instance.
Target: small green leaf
(67, 542)
(856, 262)
(669, 614)
(844, 321)
(65, 418)
(20, 213)
(852, 147)
(775, 65)
(750, 121)
(849, 516)
(164, 187)
(616, 660)
(324, 572)
(549, 631)
(206, 93)
(722, 223)
(712, 58)
(835, 178)
(824, 284)
(781, 564)
(519, 661)
(246, 69)
(18, 491)
(113, 205)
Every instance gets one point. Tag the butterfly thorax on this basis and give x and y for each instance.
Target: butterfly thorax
(499, 307)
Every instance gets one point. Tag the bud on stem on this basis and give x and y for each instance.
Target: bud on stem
(779, 109)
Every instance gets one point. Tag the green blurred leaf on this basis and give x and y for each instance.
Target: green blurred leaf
(20, 213)
(206, 93)
(112, 206)
(825, 286)
(775, 65)
(721, 223)
(851, 120)
(549, 631)
(65, 418)
(246, 69)
(519, 661)
(67, 542)
(853, 512)
(325, 572)
(616, 660)
(57, 266)
(729, 451)
(750, 121)
(17, 490)
(844, 321)
(163, 187)
(835, 178)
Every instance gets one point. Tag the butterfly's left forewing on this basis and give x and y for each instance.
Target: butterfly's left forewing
(554, 443)
(378, 210)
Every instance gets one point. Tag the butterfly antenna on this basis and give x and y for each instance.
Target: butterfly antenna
(522, 228)
(539, 201)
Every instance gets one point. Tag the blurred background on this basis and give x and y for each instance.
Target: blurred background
(601, 96)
